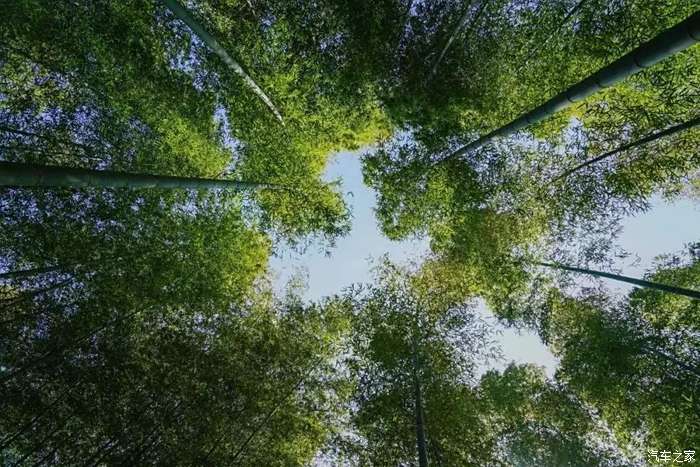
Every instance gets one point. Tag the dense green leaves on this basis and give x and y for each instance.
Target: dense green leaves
(635, 360)
(409, 338)
(538, 422)
(176, 385)
(138, 326)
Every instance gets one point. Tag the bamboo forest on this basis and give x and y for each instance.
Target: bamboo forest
(349, 232)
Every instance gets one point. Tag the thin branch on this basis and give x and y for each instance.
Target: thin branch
(462, 22)
(536, 51)
(651, 137)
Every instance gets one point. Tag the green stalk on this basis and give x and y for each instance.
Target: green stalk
(418, 408)
(646, 139)
(630, 280)
(182, 13)
(460, 25)
(673, 40)
(27, 272)
(536, 50)
(241, 450)
(30, 175)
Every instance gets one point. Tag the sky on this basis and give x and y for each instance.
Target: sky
(664, 228)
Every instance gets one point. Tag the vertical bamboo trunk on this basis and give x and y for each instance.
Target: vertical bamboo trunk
(630, 280)
(420, 422)
(420, 428)
(673, 40)
(402, 33)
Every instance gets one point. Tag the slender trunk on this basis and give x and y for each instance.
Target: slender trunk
(31, 134)
(98, 457)
(44, 154)
(7, 302)
(104, 454)
(647, 139)
(69, 268)
(142, 448)
(101, 452)
(182, 13)
(40, 462)
(62, 348)
(42, 443)
(402, 33)
(462, 22)
(459, 27)
(269, 415)
(665, 44)
(630, 280)
(672, 359)
(6, 442)
(255, 431)
(420, 423)
(30, 175)
(541, 45)
(34, 313)
(28, 272)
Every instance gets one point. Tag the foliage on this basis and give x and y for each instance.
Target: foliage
(164, 383)
(140, 327)
(408, 338)
(632, 362)
(666, 311)
(538, 422)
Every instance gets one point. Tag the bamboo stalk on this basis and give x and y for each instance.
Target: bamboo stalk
(183, 14)
(630, 280)
(30, 175)
(673, 40)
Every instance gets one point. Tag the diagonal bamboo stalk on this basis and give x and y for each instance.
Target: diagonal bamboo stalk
(181, 12)
(646, 139)
(460, 25)
(22, 273)
(665, 44)
(541, 45)
(630, 280)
